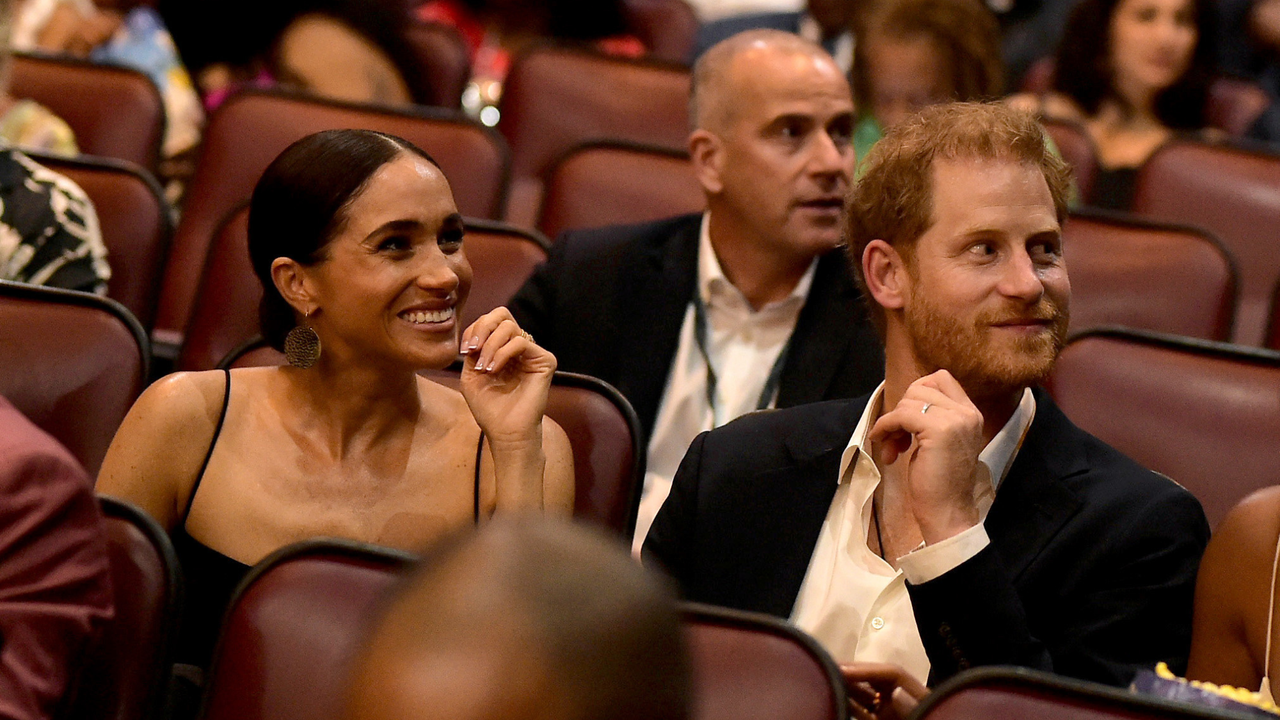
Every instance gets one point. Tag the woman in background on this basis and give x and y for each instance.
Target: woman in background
(1133, 73)
(916, 53)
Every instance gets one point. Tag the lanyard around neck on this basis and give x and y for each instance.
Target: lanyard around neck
(700, 336)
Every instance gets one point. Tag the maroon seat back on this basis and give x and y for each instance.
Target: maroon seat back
(291, 628)
(71, 362)
(127, 669)
(1167, 278)
(114, 112)
(1076, 147)
(1205, 414)
(555, 99)
(1236, 195)
(1006, 693)
(502, 258)
(225, 316)
(748, 666)
(603, 431)
(252, 128)
(443, 60)
(669, 28)
(611, 183)
(135, 221)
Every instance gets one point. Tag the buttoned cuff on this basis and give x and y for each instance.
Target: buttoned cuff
(932, 561)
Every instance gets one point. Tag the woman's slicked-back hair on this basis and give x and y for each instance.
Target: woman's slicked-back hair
(1083, 65)
(299, 204)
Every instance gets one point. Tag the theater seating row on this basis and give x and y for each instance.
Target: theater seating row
(298, 616)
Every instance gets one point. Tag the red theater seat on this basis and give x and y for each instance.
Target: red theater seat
(669, 28)
(748, 666)
(73, 363)
(555, 99)
(444, 61)
(115, 112)
(1236, 195)
(1140, 274)
(291, 627)
(126, 673)
(611, 183)
(1006, 693)
(1077, 149)
(1205, 414)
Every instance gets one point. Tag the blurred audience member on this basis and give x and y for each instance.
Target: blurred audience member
(25, 122)
(135, 39)
(497, 30)
(701, 318)
(1134, 72)
(55, 580)
(525, 619)
(48, 228)
(1030, 31)
(830, 23)
(1248, 45)
(916, 53)
(352, 50)
(1233, 634)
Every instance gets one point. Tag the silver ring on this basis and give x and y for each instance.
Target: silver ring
(926, 407)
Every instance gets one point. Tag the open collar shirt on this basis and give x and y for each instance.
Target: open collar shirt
(743, 345)
(853, 601)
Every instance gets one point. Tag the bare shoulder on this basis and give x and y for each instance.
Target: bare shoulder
(444, 397)
(159, 448)
(1249, 532)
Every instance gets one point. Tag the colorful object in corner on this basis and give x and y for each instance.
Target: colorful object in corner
(1164, 684)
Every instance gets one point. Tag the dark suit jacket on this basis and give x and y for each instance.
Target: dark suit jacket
(610, 303)
(55, 578)
(1090, 571)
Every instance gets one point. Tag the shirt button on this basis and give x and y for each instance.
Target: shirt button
(877, 622)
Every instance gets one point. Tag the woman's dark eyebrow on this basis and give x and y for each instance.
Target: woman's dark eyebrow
(394, 226)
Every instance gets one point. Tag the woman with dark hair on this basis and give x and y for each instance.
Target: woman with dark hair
(359, 247)
(916, 53)
(1133, 72)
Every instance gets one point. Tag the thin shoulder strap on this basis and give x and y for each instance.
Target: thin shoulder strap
(1271, 609)
(226, 400)
(476, 496)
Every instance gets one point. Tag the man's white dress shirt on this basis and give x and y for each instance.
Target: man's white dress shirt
(854, 602)
(743, 345)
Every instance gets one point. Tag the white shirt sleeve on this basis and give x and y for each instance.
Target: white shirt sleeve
(931, 561)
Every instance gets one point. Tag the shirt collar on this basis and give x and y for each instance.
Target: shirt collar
(712, 280)
(998, 455)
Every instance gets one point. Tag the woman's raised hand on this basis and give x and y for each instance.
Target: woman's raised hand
(505, 378)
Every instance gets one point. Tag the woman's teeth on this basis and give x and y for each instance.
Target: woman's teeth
(435, 316)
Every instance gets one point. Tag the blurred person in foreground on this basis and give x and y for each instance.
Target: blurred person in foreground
(954, 517)
(701, 318)
(55, 573)
(525, 619)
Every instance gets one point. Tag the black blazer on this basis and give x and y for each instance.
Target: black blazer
(610, 302)
(1090, 572)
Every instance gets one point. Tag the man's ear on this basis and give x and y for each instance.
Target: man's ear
(295, 285)
(706, 152)
(885, 271)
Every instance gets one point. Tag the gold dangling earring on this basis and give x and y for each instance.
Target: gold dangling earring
(302, 345)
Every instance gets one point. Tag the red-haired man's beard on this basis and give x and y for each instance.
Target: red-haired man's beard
(987, 355)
